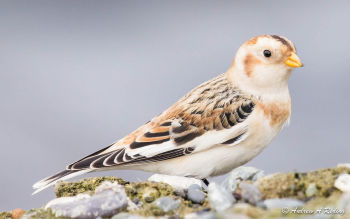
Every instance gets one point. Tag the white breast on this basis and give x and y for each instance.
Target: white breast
(219, 159)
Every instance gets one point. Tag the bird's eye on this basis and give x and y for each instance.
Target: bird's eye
(267, 53)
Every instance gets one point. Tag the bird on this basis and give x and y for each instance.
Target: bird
(221, 124)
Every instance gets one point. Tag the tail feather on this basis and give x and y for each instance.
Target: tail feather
(63, 175)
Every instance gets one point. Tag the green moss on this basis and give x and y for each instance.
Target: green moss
(5, 215)
(186, 207)
(148, 191)
(42, 214)
(151, 210)
(315, 188)
(295, 184)
(83, 186)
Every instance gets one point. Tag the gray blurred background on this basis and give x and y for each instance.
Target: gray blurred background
(77, 75)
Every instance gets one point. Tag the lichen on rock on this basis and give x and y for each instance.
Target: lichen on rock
(88, 185)
(295, 184)
(147, 191)
(40, 213)
(311, 190)
(5, 215)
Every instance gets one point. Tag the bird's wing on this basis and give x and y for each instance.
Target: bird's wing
(195, 123)
(211, 115)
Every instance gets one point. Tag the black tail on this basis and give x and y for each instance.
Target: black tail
(49, 181)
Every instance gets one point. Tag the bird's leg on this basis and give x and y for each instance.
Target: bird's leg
(205, 181)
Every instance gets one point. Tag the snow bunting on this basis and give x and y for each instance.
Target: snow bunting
(219, 125)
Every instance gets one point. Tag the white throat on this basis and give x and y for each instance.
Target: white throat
(276, 90)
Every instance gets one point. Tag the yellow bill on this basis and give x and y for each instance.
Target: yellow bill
(294, 61)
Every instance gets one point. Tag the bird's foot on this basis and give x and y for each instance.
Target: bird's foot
(205, 181)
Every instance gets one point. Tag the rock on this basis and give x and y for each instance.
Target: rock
(180, 184)
(201, 215)
(17, 213)
(149, 194)
(124, 215)
(219, 197)
(294, 184)
(347, 165)
(316, 188)
(250, 193)
(235, 216)
(25, 216)
(261, 204)
(241, 211)
(5, 215)
(226, 215)
(343, 183)
(87, 185)
(167, 203)
(109, 199)
(180, 192)
(344, 203)
(195, 194)
(283, 203)
(147, 191)
(315, 217)
(137, 201)
(241, 173)
(311, 190)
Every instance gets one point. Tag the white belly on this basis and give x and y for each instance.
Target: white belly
(220, 159)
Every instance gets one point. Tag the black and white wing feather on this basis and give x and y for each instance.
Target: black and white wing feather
(212, 114)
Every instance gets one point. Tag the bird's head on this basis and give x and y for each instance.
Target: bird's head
(265, 62)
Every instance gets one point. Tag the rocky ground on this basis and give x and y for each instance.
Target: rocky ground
(245, 194)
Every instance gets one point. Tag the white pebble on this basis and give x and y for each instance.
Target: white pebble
(219, 197)
(343, 183)
(179, 183)
(344, 165)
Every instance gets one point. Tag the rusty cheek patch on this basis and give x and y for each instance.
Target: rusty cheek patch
(250, 62)
(278, 114)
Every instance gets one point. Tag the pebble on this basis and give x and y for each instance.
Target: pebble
(242, 173)
(179, 183)
(149, 195)
(219, 197)
(170, 217)
(315, 217)
(261, 204)
(109, 199)
(195, 194)
(124, 215)
(17, 213)
(167, 203)
(344, 202)
(250, 193)
(347, 165)
(201, 215)
(311, 190)
(226, 215)
(232, 213)
(343, 183)
(29, 215)
(283, 203)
